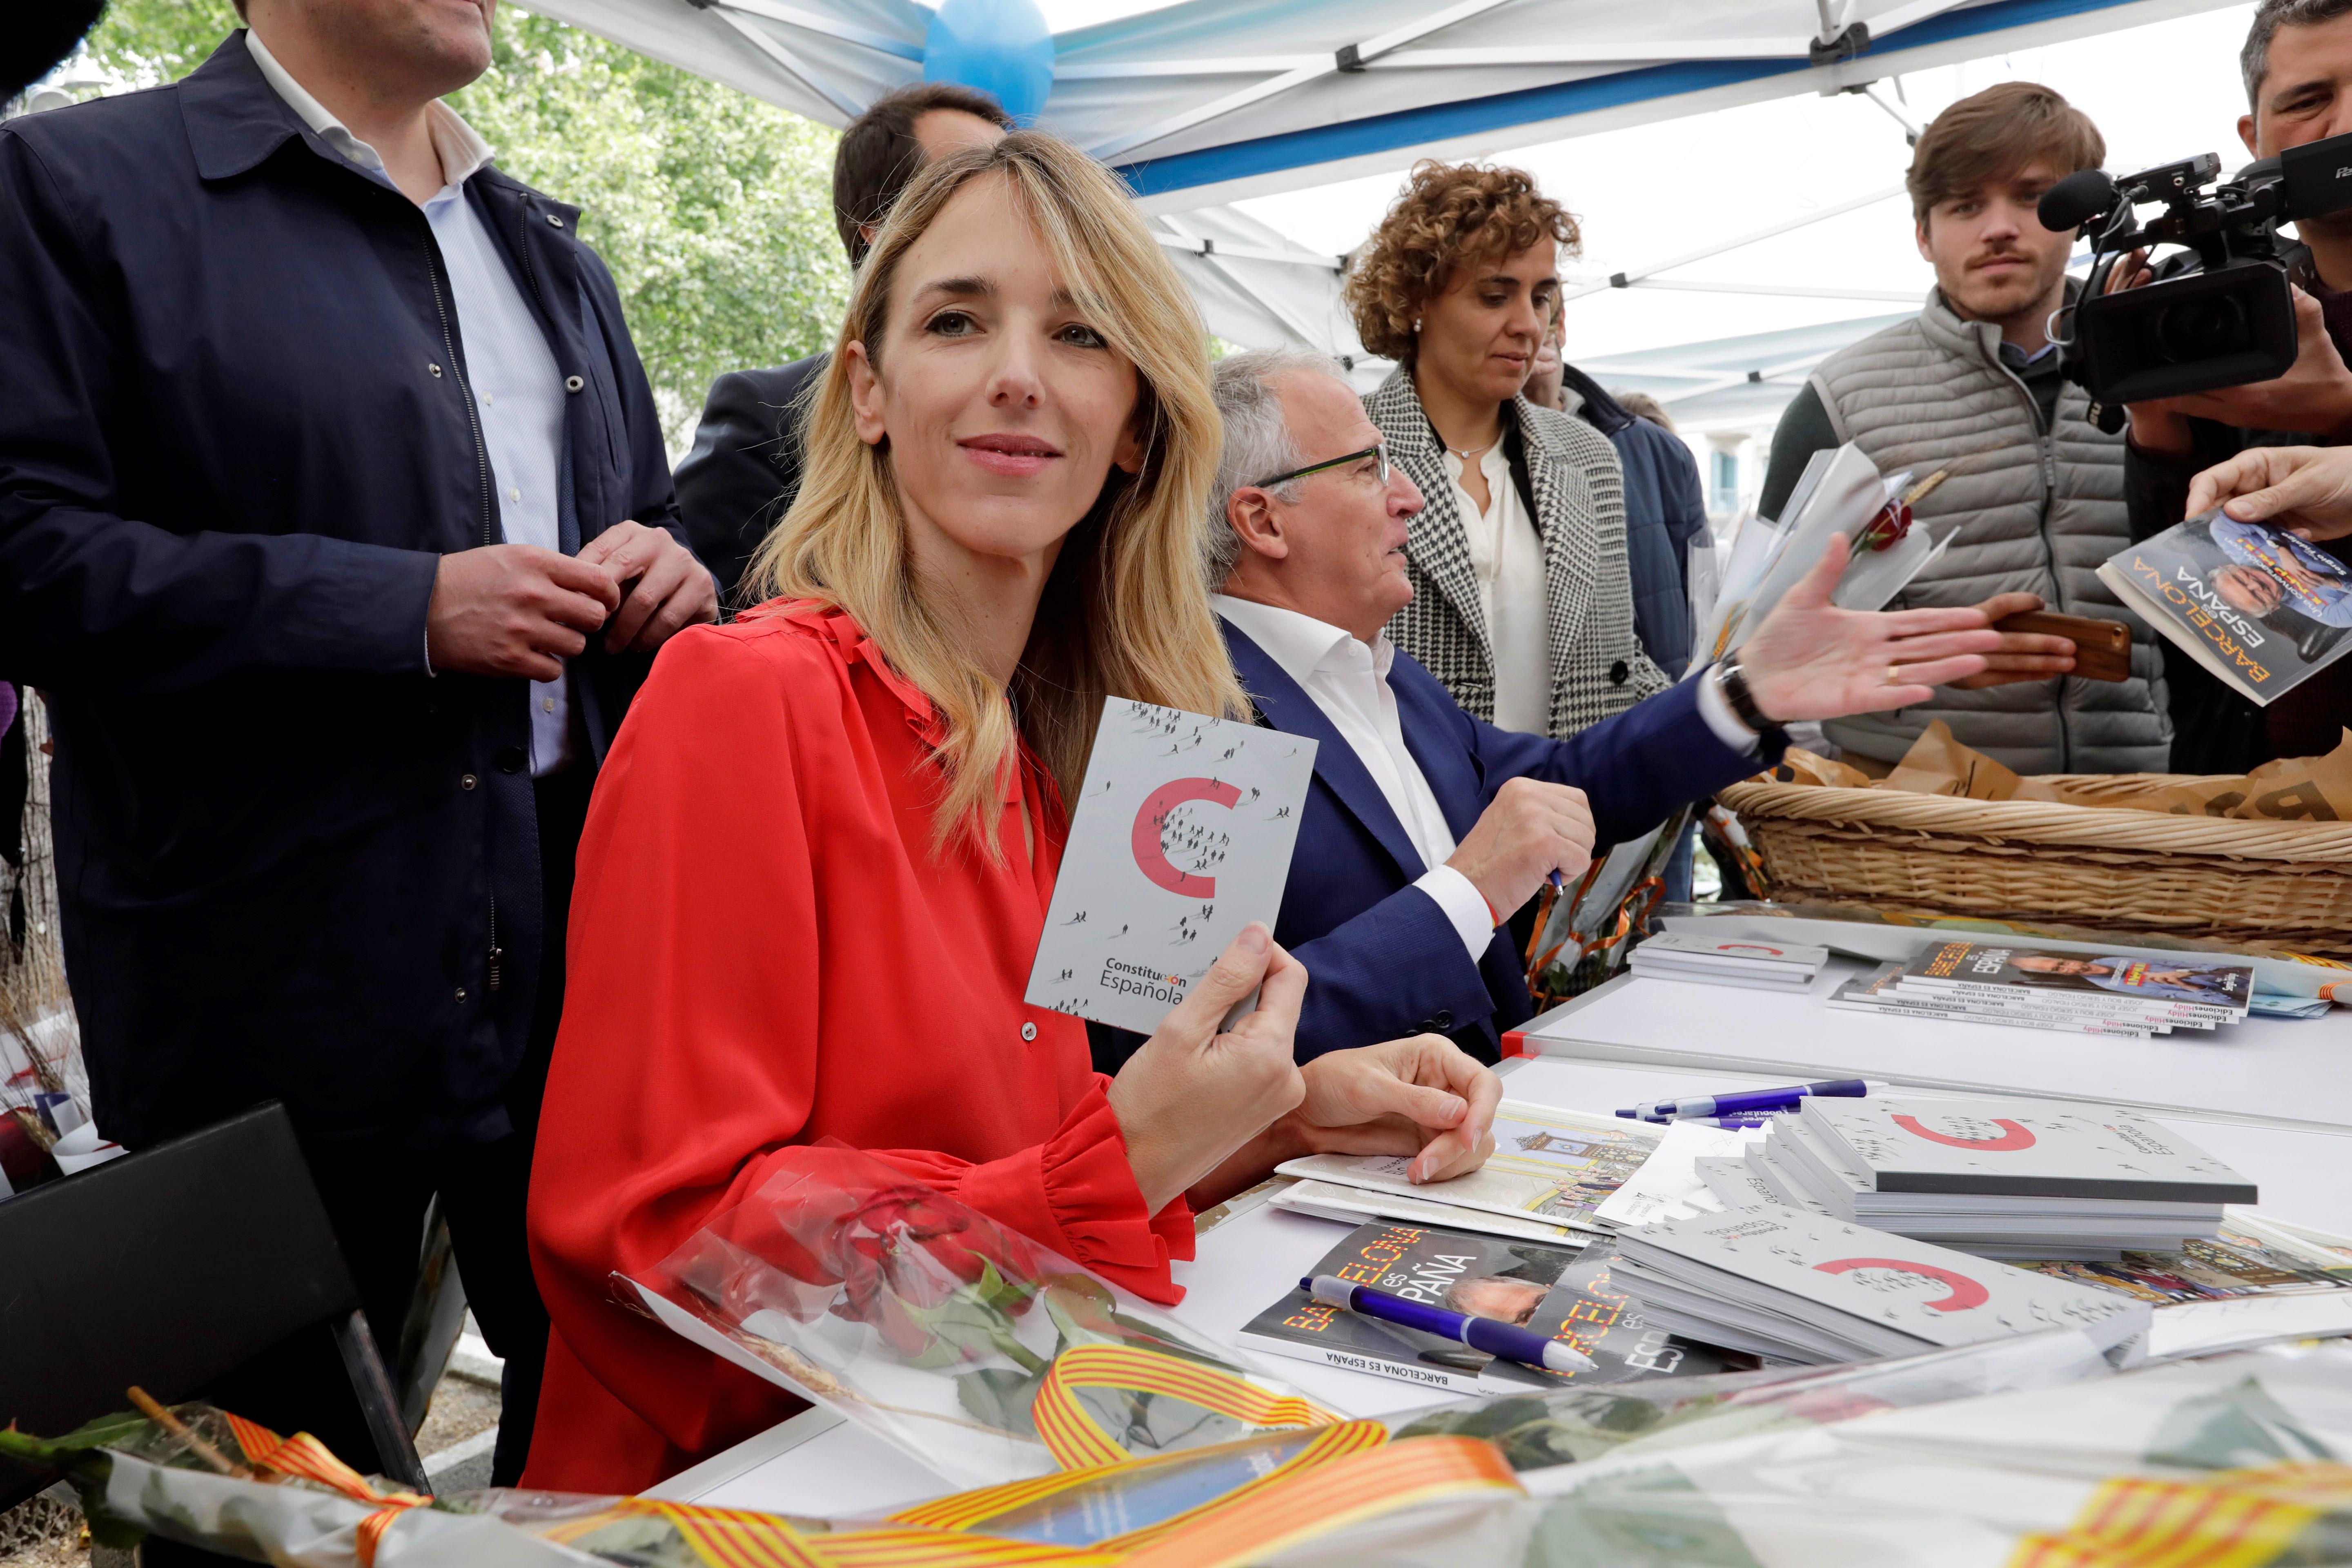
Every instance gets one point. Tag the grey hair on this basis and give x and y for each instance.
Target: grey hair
(2254, 59)
(1257, 441)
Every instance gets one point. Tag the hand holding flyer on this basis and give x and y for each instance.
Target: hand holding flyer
(1181, 835)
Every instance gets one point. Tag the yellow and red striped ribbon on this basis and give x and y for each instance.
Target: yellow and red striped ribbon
(1076, 1442)
(1399, 1476)
(2232, 1518)
(974, 1509)
(303, 1455)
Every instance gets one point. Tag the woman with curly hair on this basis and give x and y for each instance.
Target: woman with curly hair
(1523, 604)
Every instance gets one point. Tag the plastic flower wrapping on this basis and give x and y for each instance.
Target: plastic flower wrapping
(975, 1350)
(1111, 1437)
(2026, 1455)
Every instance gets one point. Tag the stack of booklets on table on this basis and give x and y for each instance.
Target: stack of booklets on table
(2036, 988)
(1691, 955)
(1565, 1294)
(1803, 1287)
(1551, 1170)
(2001, 1178)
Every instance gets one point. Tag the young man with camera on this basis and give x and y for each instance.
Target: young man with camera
(2297, 63)
(2033, 501)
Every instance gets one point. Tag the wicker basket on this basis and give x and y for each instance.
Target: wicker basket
(2288, 884)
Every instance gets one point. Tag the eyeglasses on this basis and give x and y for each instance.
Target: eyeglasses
(1378, 449)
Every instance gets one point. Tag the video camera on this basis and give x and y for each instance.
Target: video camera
(2228, 322)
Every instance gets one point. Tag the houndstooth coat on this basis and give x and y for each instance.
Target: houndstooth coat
(1597, 667)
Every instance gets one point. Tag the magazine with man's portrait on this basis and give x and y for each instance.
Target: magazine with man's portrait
(2261, 608)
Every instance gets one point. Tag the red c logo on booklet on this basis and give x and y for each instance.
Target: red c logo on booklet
(2015, 1135)
(1151, 857)
(1966, 1292)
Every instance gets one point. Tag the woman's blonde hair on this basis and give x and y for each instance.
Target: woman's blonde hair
(1126, 610)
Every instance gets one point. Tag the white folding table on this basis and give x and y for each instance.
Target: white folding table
(1621, 1045)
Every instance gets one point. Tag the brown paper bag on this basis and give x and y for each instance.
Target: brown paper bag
(2290, 789)
(1800, 766)
(1938, 764)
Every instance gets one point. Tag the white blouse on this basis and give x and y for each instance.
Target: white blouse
(1506, 558)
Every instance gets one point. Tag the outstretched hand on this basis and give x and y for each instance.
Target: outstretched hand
(2302, 490)
(1810, 660)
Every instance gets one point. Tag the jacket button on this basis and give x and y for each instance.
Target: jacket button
(510, 759)
(572, 384)
(554, 221)
(1618, 672)
(1445, 1020)
(436, 370)
(467, 781)
(1028, 1031)
(461, 996)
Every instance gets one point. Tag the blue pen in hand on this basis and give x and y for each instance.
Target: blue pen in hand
(1508, 1341)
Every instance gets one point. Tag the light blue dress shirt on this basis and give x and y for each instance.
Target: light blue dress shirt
(518, 391)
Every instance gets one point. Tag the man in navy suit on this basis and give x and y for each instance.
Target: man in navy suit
(1426, 827)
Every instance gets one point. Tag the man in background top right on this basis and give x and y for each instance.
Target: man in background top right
(2298, 70)
(2034, 498)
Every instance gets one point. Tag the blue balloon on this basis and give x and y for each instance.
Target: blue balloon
(1002, 48)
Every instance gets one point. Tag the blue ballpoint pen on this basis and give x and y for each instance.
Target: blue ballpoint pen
(1749, 1100)
(1508, 1341)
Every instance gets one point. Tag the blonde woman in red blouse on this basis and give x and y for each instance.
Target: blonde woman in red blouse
(822, 851)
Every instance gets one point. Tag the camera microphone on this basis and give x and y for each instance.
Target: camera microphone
(2075, 200)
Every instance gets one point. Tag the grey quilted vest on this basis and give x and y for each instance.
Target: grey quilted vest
(2032, 512)
(1598, 668)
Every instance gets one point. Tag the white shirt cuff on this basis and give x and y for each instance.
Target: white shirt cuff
(1463, 904)
(1715, 709)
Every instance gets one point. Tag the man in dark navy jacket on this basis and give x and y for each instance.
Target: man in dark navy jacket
(1425, 827)
(336, 526)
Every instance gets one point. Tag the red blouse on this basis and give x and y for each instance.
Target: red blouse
(765, 951)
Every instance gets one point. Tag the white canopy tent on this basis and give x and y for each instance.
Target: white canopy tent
(1205, 103)
(1208, 102)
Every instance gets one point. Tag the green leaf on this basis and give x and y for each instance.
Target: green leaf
(1001, 1397)
(107, 1431)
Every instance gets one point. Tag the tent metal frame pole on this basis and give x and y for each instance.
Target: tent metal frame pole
(1248, 252)
(791, 62)
(1631, 276)
(1789, 290)
(1348, 57)
(810, 21)
(1216, 258)
(1721, 384)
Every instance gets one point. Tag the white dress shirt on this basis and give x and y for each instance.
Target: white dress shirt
(1349, 682)
(1506, 558)
(517, 389)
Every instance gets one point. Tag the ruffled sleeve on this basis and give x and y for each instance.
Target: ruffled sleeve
(1077, 1194)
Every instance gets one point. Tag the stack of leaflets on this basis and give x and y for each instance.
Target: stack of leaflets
(1548, 1288)
(1692, 956)
(2040, 988)
(1803, 1287)
(1551, 1169)
(2001, 1178)
(2262, 609)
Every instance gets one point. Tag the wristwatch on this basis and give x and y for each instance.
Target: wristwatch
(1732, 681)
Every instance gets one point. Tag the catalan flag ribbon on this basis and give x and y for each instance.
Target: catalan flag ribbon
(303, 1455)
(1340, 1473)
(1076, 1442)
(2230, 1519)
